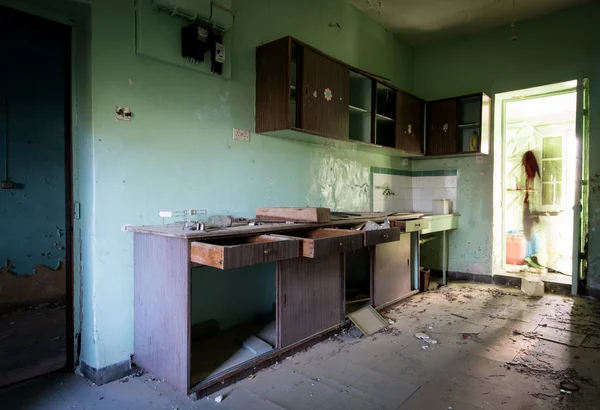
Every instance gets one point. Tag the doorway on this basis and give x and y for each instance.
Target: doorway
(36, 293)
(540, 175)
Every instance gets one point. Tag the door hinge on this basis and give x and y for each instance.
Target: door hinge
(585, 111)
(76, 210)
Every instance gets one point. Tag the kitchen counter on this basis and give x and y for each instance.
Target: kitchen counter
(176, 231)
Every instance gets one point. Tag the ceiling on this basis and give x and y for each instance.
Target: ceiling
(427, 21)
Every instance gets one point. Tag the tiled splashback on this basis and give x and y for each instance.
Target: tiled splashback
(405, 191)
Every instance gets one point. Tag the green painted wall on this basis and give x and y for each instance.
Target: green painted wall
(178, 151)
(550, 49)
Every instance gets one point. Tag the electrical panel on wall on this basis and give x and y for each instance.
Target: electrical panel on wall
(188, 33)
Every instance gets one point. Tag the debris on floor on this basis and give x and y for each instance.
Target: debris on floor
(488, 355)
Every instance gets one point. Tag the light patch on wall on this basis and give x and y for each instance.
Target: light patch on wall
(340, 184)
(215, 107)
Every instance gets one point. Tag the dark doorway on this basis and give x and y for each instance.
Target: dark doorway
(36, 320)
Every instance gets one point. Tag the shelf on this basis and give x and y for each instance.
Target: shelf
(357, 110)
(469, 125)
(384, 118)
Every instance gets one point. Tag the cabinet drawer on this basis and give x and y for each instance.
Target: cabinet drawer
(381, 236)
(411, 226)
(325, 241)
(238, 252)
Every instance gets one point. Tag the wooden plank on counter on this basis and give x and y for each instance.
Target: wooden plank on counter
(293, 214)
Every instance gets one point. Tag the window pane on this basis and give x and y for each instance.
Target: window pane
(552, 147)
(551, 194)
(552, 170)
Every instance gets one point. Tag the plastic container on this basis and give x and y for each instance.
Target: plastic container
(441, 206)
(424, 282)
(516, 247)
(533, 245)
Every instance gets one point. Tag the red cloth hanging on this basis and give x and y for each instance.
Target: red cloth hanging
(531, 168)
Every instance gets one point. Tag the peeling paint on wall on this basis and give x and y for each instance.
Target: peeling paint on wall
(43, 283)
(340, 184)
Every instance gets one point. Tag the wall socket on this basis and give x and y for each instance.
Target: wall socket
(241, 135)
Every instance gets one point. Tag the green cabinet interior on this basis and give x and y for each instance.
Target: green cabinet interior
(306, 95)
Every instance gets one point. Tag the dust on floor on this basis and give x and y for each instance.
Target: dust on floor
(493, 349)
(32, 342)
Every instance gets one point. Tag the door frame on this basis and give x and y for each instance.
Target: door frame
(70, 118)
(570, 86)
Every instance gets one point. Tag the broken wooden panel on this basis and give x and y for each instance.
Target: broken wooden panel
(309, 297)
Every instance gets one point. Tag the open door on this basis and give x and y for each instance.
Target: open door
(580, 214)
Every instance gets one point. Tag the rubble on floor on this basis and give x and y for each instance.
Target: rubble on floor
(494, 350)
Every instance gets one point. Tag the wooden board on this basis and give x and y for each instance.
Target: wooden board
(391, 271)
(161, 311)
(238, 252)
(293, 214)
(309, 297)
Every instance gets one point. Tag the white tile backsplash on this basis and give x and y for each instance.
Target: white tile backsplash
(412, 193)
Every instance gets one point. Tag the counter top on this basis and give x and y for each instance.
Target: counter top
(176, 231)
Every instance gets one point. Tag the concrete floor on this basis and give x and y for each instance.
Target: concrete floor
(489, 355)
(32, 342)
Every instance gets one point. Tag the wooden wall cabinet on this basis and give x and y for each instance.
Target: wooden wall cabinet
(300, 89)
(306, 95)
(459, 126)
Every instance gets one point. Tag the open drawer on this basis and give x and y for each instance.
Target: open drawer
(378, 236)
(413, 225)
(326, 241)
(237, 252)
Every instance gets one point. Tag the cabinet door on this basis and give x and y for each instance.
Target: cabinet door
(391, 271)
(442, 127)
(325, 91)
(410, 121)
(273, 86)
(309, 297)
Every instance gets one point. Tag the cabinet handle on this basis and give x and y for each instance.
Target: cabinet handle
(341, 243)
(385, 235)
(285, 299)
(267, 251)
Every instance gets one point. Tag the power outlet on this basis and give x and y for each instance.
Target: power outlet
(241, 135)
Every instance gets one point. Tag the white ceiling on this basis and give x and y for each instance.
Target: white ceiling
(427, 21)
